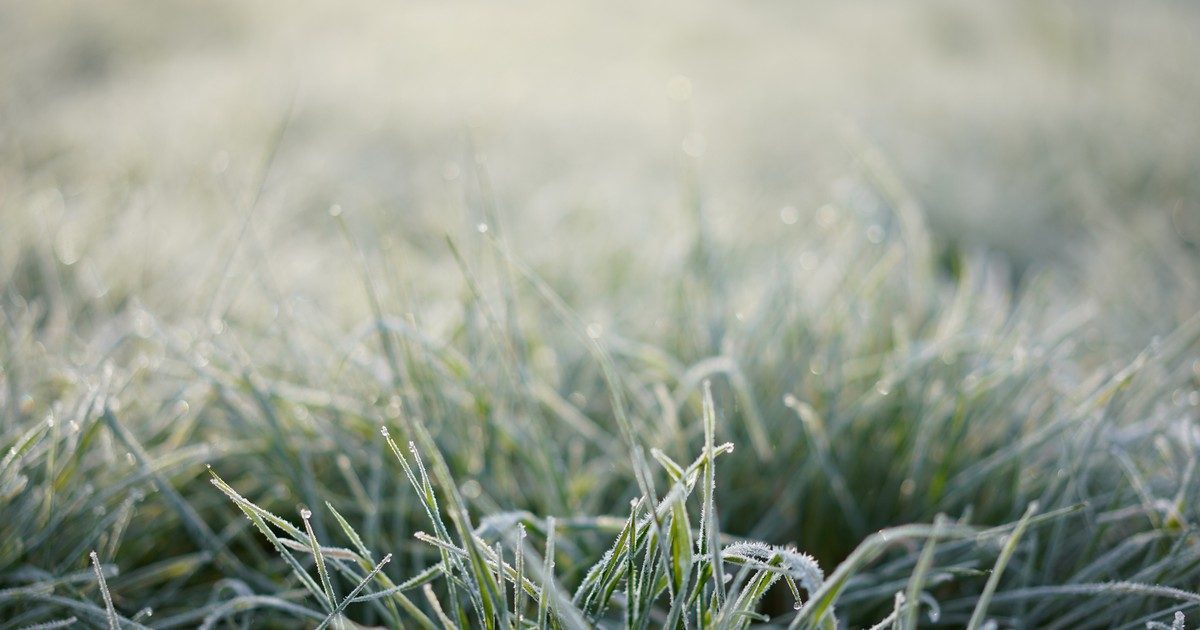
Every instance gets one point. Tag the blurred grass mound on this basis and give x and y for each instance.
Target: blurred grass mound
(654, 333)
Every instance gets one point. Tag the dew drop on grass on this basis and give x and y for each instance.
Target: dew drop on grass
(694, 145)
(875, 234)
(797, 606)
(66, 246)
(383, 431)
(142, 324)
(679, 88)
(335, 210)
(790, 400)
(482, 227)
(826, 215)
(882, 388)
(305, 513)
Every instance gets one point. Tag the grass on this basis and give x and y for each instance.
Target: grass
(849, 413)
(916, 444)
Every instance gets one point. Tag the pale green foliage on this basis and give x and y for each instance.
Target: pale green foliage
(497, 511)
(951, 426)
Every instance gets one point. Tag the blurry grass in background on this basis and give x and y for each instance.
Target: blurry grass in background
(934, 259)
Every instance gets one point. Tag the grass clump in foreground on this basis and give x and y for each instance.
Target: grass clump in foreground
(916, 447)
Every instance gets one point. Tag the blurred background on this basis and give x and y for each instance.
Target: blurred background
(136, 138)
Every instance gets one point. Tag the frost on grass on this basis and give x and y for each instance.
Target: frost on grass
(509, 397)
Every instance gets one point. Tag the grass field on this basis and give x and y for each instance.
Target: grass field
(621, 314)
